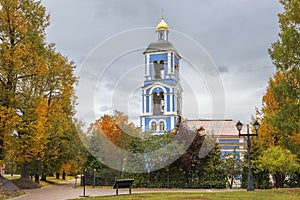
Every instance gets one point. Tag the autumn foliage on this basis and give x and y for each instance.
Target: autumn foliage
(280, 113)
(37, 128)
(115, 127)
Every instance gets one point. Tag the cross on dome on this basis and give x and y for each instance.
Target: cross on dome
(162, 25)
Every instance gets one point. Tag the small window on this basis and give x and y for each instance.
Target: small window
(153, 126)
(176, 72)
(161, 126)
(161, 67)
(161, 36)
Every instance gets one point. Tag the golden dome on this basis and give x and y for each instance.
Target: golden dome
(162, 25)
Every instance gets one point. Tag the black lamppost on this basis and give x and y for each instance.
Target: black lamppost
(84, 182)
(168, 177)
(94, 177)
(239, 127)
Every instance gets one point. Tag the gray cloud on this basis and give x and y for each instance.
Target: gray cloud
(223, 69)
(235, 33)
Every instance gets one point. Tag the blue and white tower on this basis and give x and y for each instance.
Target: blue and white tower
(162, 92)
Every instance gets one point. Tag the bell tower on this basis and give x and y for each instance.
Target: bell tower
(161, 92)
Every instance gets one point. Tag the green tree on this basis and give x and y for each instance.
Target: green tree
(186, 170)
(280, 114)
(285, 52)
(261, 178)
(280, 162)
(211, 172)
(231, 167)
(285, 90)
(154, 150)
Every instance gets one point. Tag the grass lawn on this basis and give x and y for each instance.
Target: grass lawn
(274, 194)
(8, 176)
(50, 179)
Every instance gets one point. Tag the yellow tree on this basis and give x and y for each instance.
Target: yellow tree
(270, 107)
(22, 64)
(280, 121)
(36, 85)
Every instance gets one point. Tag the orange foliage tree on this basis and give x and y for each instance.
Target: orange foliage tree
(115, 127)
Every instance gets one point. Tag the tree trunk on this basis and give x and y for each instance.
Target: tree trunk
(57, 175)
(64, 175)
(279, 180)
(44, 177)
(1, 144)
(37, 178)
(230, 182)
(24, 171)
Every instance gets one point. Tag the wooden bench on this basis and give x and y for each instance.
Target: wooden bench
(123, 183)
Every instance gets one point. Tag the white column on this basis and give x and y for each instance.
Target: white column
(173, 57)
(150, 105)
(175, 101)
(145, 103)
(147, 65)
(169, 63)
(172, 122)
(165, 103)
(171, 102)
(143, 125)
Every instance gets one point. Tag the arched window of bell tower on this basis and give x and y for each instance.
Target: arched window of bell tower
(158, 69)
(158, 103)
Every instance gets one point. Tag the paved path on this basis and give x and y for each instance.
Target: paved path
(67, 191)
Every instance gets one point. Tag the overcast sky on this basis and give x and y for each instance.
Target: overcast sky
(233, 37)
